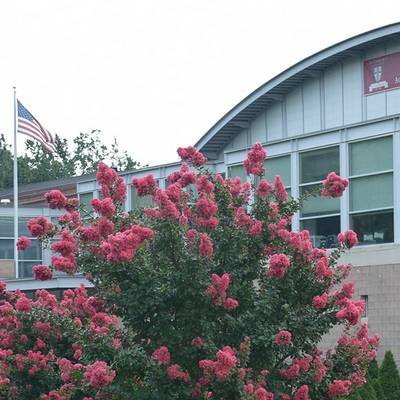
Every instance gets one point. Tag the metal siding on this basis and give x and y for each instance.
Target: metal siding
(312, 105)
(274, 122)
(352, 91)
(333, 96)
(258, 129)
(393, 102)
(376, 105)
(240, 140)
(294, 112)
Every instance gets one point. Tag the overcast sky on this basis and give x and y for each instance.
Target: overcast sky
(158, 74)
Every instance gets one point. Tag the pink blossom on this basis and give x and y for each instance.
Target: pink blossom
(39, 227)
(334, 185)
(349, 238)
(99, 374)
(351, 311)
(339, 388)
(263, 188)
(278, 265)
(198, 342)
(206, 246)
(162, 355)
(302, 393)
(231, 304)
(263, 394)
(105, 175)
(256, 228)
(23, 304)
(283, 338)
(280, 191)
(191, 154)
(204, 185)
(320, 301)
(104, 207)
(174, 372)
(42, 273)
(23, 243)
(145, 186)
(222, 367)
(55, 199)
(254, 163)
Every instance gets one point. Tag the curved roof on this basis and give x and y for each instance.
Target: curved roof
(213, 141)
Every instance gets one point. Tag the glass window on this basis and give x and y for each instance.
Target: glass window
(6, 227)
(364, 298)
(85, 200)
(371, 156)
(278, 166)
(237, 170)
(318, 205)
(326, 160)
(7, 249)
(140, 202)
(373, 227)
(34, 252)
(323, 231)
(371, 192)
(25, 268)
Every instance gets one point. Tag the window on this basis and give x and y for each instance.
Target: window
(371, 190)
(319, 215)
(278, 166)
(26, 259)
(365, 299)
(237, 170)
(141, 202)
(85, 200)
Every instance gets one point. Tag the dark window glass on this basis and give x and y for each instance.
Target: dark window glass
(374, 227)
(323, 231)
(34, 252)
(7, 249)
(365, 299)
(316, 165)
(6, 227)
(25, 268)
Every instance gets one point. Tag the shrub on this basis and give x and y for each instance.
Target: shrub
(389, 377)
(224, 299)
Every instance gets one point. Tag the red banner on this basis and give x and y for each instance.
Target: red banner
(382, 73)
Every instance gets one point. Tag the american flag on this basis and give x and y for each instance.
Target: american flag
(29, 125)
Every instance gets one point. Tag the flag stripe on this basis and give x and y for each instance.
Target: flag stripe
(24, 123)
(33, 135)
(30, 126)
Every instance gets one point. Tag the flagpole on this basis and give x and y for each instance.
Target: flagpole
(15, 187)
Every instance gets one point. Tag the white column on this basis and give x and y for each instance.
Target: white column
(344, 172)
(294, 182)
(396, 182)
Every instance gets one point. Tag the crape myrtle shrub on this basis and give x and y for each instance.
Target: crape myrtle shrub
(223, 299)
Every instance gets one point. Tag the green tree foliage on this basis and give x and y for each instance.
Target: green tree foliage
(367, 392)
(38, 165)
(389, 377)
(373, 370)
(380, 394)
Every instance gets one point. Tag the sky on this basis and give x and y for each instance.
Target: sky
(157, 74)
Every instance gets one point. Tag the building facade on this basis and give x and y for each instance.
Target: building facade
(338, 110)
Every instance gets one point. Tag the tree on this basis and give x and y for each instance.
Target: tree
(224, 299)
(38, 165)
(67, 349)
(389, 377)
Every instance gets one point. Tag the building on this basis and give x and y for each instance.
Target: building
(31, 204)
(337, 110)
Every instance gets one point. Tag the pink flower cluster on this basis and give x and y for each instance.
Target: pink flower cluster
(278, 265)
(334, 185)
(217, 290)
(206, 246)
(254, 163)
(145, 186)
(348, 238)
(39, 227)
(192, 155)
(112, 185)
(122, 246)
(222, 367)
(23, 243)
(162, 355)
(279, 188)
(55, 199)
(99, 374)
(105, 207)
(339, 388)
(283, 338)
